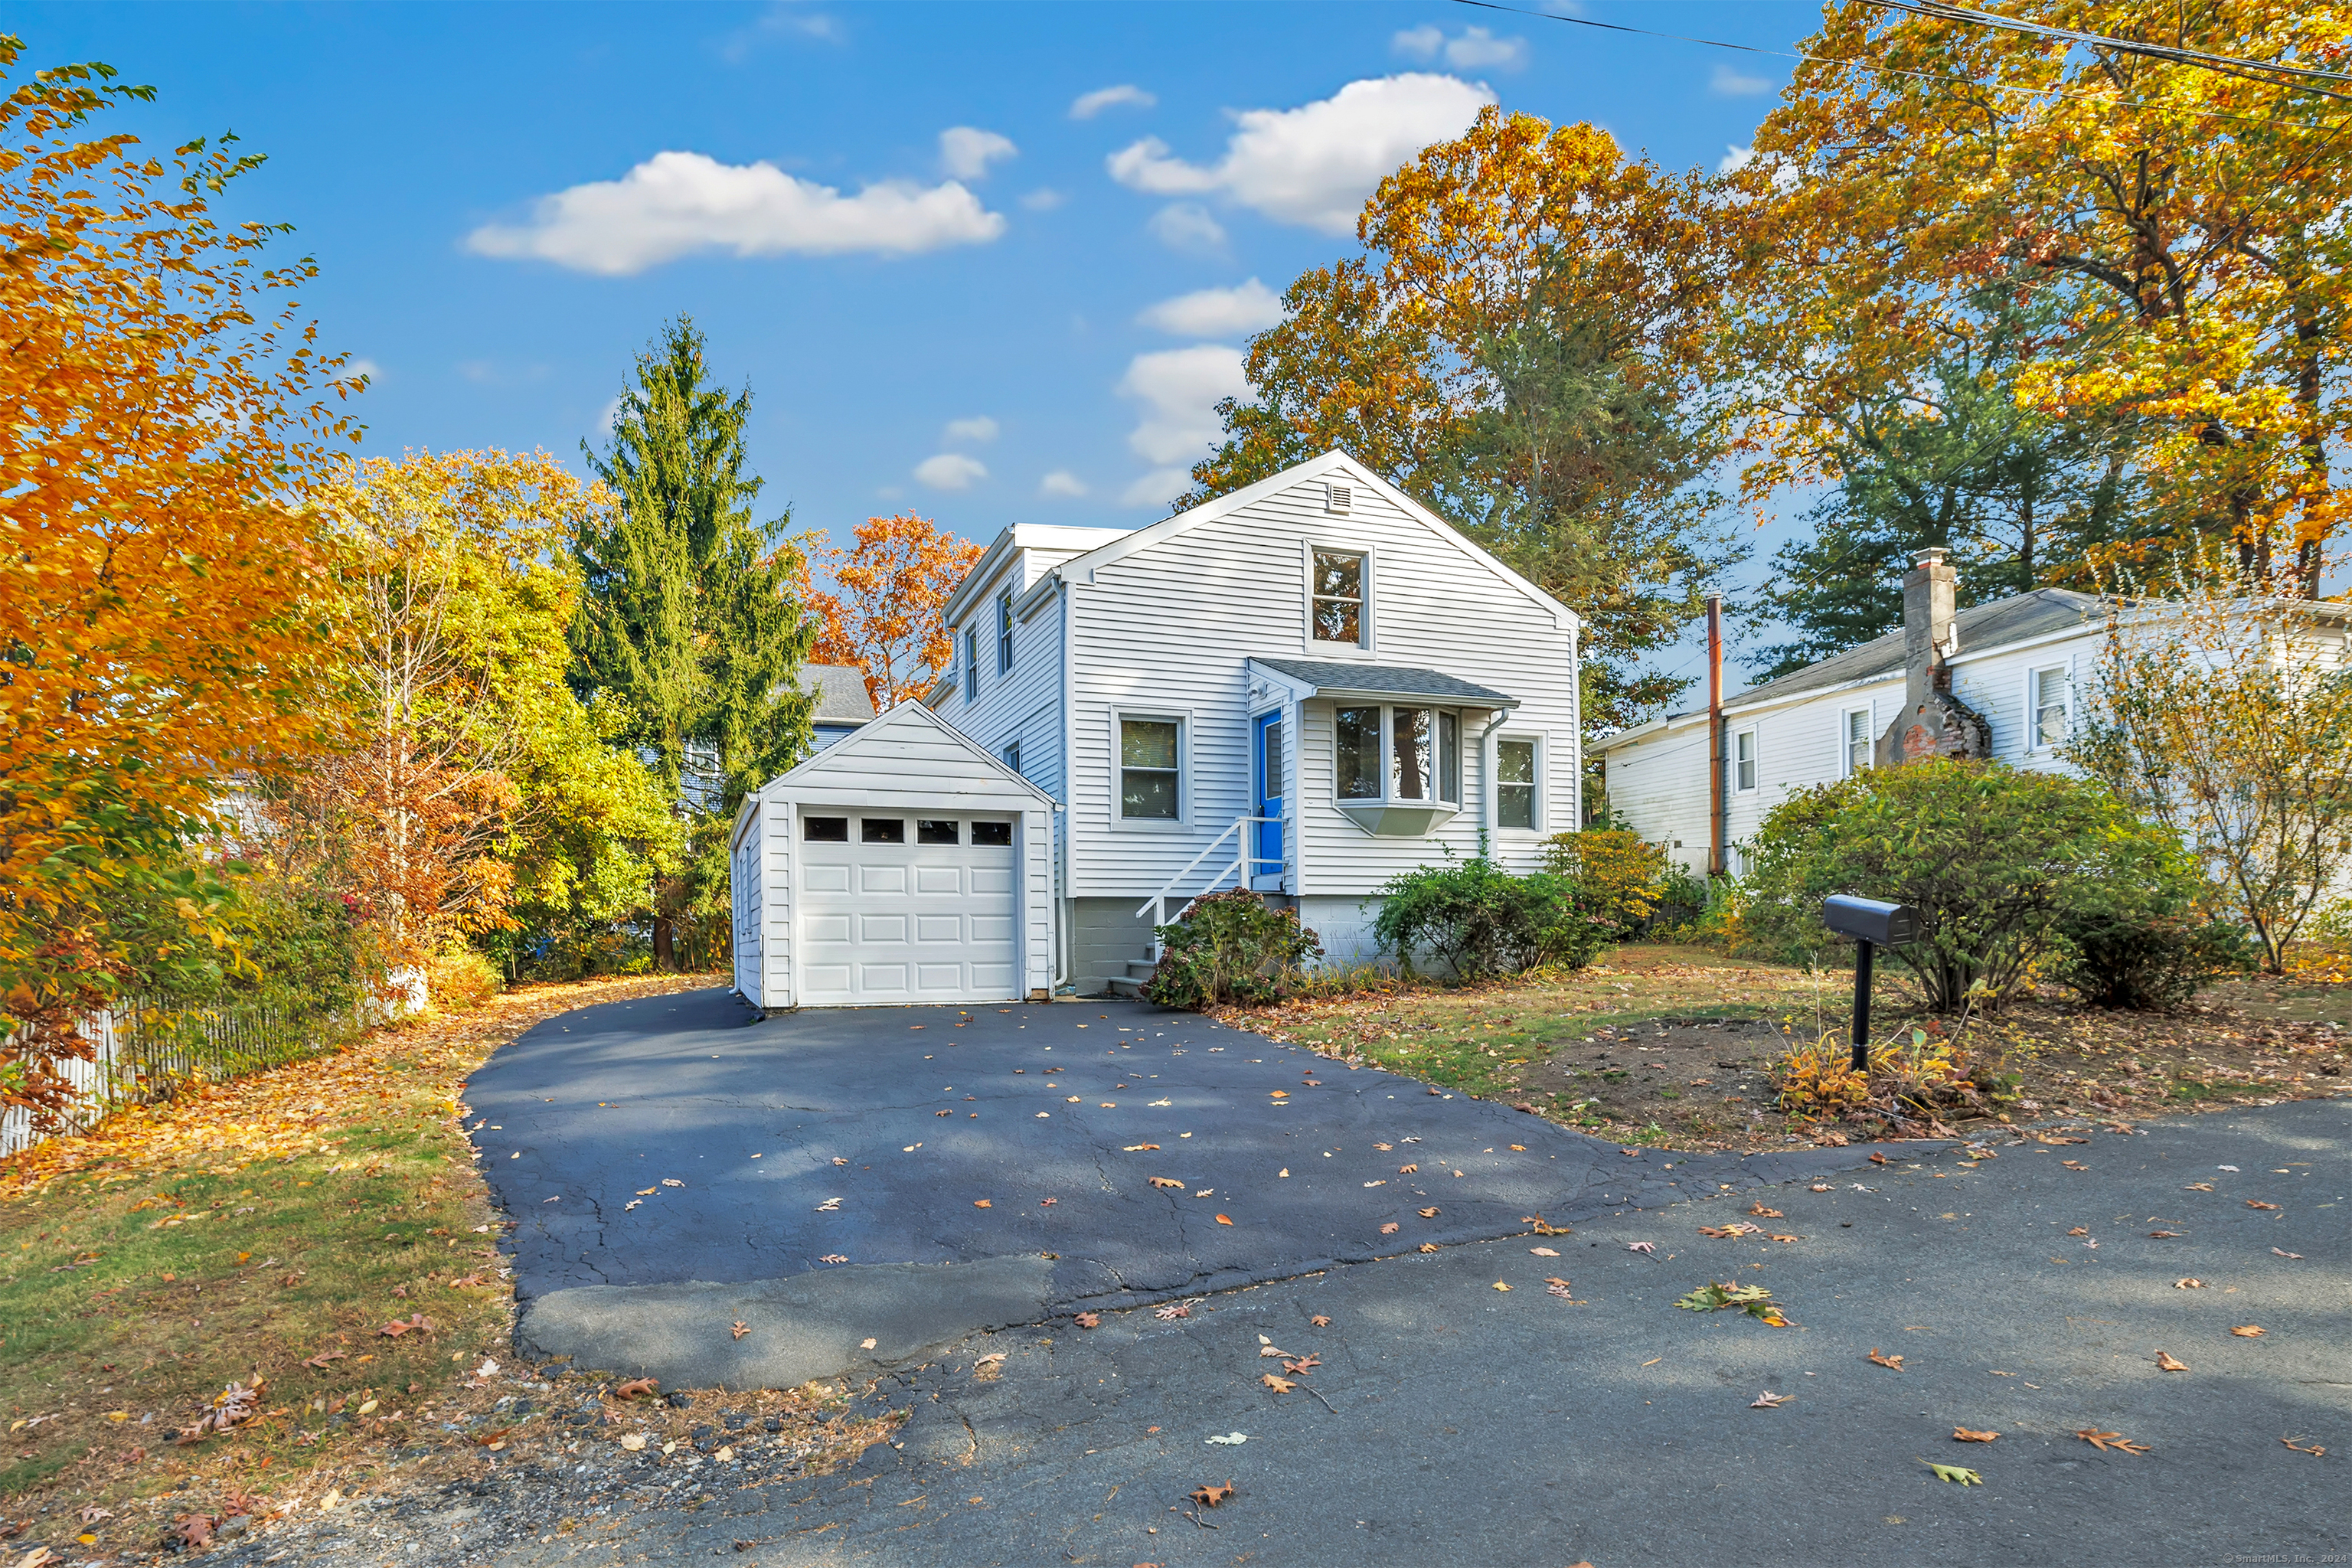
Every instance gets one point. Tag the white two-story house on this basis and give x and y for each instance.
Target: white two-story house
(1304, 688)
(1309, 686)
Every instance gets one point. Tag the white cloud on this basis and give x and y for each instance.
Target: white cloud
(1125, 95)
(783, 18)
(1061, 483)
(1187, 225)
(1473, 49)
(949, 471)
(1727, 82)
(675, 203)
(1179, 389)
(1735, 159)
(1042, 200)
(1157, 489)
(1217, 312)
(965, 152)
(1314, 165)
(979, 428)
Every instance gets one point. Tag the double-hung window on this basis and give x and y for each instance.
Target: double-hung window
(970, 665)
(2049, 696)
(1514, 782)
(1004, 631)
(1857, 740)
(1338, 594)
(1150, 769)
(1743, 759)
(1012, 755)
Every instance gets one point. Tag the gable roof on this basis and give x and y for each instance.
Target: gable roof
(1385, 681)
(1083, 568)
(1059, 539)
(2018, 618)
(847, 753)
(840, 692)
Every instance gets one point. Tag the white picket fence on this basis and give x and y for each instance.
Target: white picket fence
(137, 1059)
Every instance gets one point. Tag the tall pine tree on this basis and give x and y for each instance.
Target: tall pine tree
(689, 619)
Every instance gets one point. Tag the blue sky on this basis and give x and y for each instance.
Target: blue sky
(990, 262)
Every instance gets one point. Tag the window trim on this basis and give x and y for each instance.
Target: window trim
(1494, 769)
(1158, 714)
(1753, 735)
(1367, 625)
(1869, 710)
(2065, 671)
(1005, 632)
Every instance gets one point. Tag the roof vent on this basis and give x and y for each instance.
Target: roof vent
(1336, 498)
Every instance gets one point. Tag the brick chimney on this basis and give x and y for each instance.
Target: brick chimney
(1933, 723)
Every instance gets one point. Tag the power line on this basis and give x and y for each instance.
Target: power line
(2231, 65)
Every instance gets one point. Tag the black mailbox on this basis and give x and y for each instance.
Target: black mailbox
(1874, 921)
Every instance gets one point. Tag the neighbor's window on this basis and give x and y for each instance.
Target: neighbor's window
(1449, 757)
(1857, 740)
(1515, 783)
(2049, 709)
(1743, 759)
(1356, 753)
(1339, 598)
(936, 830)
(825, 829)
(1013, 756)
(882, 829)
(1003, 631)
(970, 665)
(1411, 747)
(999, 834)
(1148, 752)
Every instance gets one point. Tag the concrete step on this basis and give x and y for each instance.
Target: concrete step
(1120, 985)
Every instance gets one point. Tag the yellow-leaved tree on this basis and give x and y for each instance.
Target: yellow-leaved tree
(165, 405)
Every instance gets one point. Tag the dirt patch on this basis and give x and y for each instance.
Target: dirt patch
(1704, 1078)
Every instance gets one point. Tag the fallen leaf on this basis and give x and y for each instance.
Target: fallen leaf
(1319, 1320)
(323, 1358)
(1768, 1400)
(2107, 1441)
(865, 1344)
(2254, 1204)
(1299, 1366)
(1430, 1247)
(1224, 1220)
(1138, 1148)
(674, 1182)
(982, 1204)
(1641, 1247)
(634, 1441)
(1167, 1182)
(1734, 1229)
(2197, 1187)
(2313, 1449)
(1500, 1286)
(1279, 1385)
(1966, 1477)
(2188, 1284)
(2074, 1164)
(648, 1386)
(2249, 1332)
(740, 1328)
(1877, 1158)
(2296, 1256)
(1172, 1311)
(2168, 1364)
(836, 1160)
(414, 1321)
(649, 1192)
(1278, 1094)
(1089, 1319)
(2079, 1230)
(1893, 1361)
(1390, 1228)
(1214, 1495)
(1962, 1435)
(1762, 1213)
(2167, 1235)
(833, 1257)
(1427, 1214)
(1229, 1437)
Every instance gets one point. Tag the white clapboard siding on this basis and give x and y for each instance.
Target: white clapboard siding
(910, 760)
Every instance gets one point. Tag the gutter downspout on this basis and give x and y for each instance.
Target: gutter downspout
(1716, 823)
(1066, 913)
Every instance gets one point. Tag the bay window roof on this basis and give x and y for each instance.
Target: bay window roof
(1385, 683)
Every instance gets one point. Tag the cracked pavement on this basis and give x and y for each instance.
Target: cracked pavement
(910, 1175)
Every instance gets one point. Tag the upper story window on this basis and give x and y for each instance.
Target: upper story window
(1857, 740)
(1514, 782)
(1013, 756)
(1004, 631)
(1422, 749)
(1151, 753)
(1339, 597)
(970, 665)
(2049, 699)
(1743, 759)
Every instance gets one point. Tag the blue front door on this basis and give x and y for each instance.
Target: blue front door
(1265, 837)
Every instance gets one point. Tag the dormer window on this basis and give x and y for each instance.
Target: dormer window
(1339, 597)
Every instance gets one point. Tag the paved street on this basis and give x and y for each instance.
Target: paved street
(1451, 1422)
(910, 1175)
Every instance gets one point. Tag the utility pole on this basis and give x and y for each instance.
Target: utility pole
(1715, 822)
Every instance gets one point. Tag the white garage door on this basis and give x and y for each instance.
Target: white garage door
(906, 909)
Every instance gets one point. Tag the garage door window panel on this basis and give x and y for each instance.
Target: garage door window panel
(882, 830)
(936, 830)
(825, 829)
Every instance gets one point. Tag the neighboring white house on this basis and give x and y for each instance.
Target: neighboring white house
(842, 703)
(1314, 684)
(900, 864)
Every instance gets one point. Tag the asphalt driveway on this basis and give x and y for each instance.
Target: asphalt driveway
(858, 1185)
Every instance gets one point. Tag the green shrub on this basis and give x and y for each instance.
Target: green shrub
(1482, 920)
(1996, 860)
(2140, 935)
(1619, 876)
(1229, 947)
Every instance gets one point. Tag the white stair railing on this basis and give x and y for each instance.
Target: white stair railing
(1157, 905)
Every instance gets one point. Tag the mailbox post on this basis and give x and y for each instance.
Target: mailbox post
(1873, 923)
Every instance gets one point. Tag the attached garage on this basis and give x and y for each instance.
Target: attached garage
(900, 865)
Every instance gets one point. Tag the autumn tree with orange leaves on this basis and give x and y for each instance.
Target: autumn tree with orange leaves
(883, 611)
(161, 583)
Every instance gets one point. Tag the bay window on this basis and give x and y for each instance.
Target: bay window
(1396, 770)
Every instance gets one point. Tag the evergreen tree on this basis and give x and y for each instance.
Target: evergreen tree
(688, 618)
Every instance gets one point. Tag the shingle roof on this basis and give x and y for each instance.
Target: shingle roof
(840, 690)
(1386, 680)
(2013, 620)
